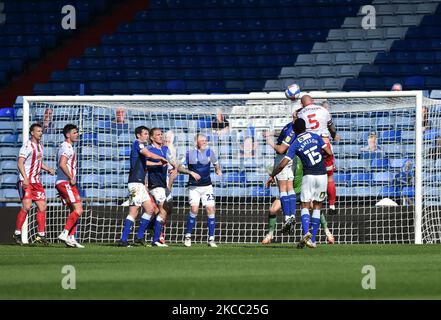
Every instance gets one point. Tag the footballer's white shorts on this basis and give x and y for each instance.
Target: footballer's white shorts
(204, 194)
(314, 188)
(138, 194)
(286, 174)
(159, 195)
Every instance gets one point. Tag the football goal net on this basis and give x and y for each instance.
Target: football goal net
(388, 164)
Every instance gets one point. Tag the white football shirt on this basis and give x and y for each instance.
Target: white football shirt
(66, 150)
(33, 155)
(317, 119)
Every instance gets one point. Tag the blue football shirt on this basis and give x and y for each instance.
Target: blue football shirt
(137, 163)
(157, 174)
(199, 161)
(287, 135)
(308, 147)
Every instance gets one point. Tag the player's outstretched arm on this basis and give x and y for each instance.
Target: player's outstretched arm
(276, 171)
(49, 170)
(152, 155)
(327, 150)
(183, 169)
(282, 148)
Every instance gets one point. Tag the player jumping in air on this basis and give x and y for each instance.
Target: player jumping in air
(66, 184)
(139, 196)
(309, 147)
(30, 163)
(284, 180)
(200, 188)
(318, 120)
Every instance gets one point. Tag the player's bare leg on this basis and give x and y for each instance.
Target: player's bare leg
(26, 205)
(41, 223)
(272, 221)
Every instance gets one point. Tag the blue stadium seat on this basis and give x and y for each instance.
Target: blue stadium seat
(91, 181)
(371, 155)
(9, 153)
(361, 179)
(408, 136)
(358, 165)
(89, 139)
(8, 181)
(393, 150)
(8, 140)
(382, 178)
(342, 179)
(431, 134)
(238, 178)
(6, 114)
(408, 192)
(390, 136)
(380, 164)
(8, 166)
(389, 192)
(7, 127)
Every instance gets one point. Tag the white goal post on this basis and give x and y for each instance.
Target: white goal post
(260, 111)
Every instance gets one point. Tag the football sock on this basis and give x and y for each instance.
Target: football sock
(71, 220)
(305, 220)
(292, 202)
(211, 225)
(21, 217)
(315, 221)
(145, 220)
(191, 221)
(284, 200)
(41, 222)
(323, 221)
(128, 224)
(332, 193)
(272, 221)
(158, 229)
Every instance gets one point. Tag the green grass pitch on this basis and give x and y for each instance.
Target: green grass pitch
(277, 271)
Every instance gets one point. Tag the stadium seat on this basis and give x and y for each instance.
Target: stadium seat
(342, 179)
(8, 140)
(7, 127)
(91, 181)
(431, 134)
(389, 192)
(8, 181)
(382, 178)
(361, 179)
(8, 166)
(6, 114)
(9, 153)
(390, 136)
(408, 192)
(380, 164)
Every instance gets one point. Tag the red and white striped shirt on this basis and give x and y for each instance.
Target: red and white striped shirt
(66, 150)
(33, 154)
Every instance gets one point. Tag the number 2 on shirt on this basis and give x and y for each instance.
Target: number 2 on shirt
(313, 123)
